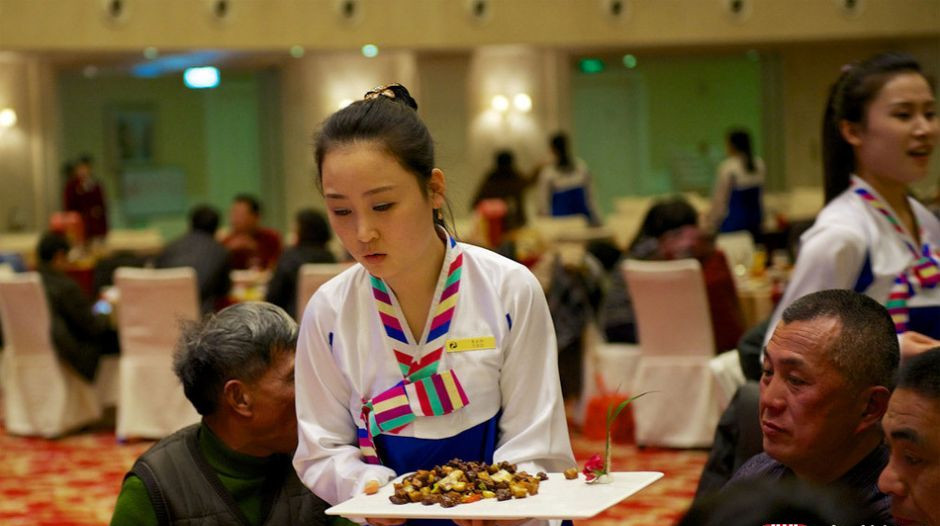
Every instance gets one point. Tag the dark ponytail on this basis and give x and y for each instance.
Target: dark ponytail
(559, 143)
(741, 141)
(848, 100)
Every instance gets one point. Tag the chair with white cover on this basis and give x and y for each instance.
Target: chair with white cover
(677, 363)
(153, 303)
(310, 277)
(42, 396)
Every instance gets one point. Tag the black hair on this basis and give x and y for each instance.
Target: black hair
(866, 351)
(68, 169)
(204, 218)
(504, 160)
(559, 144)
(849, 99)
(241, 342)
(388, 116)
(249, 200)
(921, 374)
(665, 215)
(740, 139)
(50, 244)
(312, 228)
(86, 158)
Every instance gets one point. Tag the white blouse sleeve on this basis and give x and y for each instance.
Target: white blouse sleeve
(533, 429)
(829, 258)
(327, 460)
(720, 196)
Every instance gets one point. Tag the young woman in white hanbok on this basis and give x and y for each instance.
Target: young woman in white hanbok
(879, 131)
(428, 349)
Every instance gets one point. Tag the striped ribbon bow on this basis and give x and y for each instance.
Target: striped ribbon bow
(925, 270)
(393, 409)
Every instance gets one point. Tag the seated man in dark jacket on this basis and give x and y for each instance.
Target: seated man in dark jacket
(199, 249)
(313, 233)
(79, 335)
(237, 369)
(828, 371)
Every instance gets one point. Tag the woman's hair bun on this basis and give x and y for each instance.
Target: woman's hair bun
(395, 92)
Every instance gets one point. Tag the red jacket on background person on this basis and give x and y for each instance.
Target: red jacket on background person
(85, 196)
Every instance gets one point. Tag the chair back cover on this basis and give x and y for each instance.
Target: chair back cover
(676, 353)
(671, 307)
(42, 395)
(311, 277)
(153, 304)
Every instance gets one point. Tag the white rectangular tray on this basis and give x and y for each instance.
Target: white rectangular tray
(558, 498)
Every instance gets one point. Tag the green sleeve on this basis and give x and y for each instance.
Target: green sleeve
(133, 506)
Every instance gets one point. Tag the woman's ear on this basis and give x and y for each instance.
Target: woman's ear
(851, 132)
(437, 188)
(235, 394)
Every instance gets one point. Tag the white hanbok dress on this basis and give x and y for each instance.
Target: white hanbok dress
(483, 384)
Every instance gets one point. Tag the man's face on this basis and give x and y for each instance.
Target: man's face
(242, 219)
(274, 419)
(912, 476)
(809, 413)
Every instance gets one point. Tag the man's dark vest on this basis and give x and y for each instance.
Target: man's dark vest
(185, 490)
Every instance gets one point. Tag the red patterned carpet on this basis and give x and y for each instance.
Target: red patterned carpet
(74, 480)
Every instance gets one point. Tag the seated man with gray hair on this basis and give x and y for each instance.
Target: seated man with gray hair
(828, 371)
(912, 427)
(237, 369)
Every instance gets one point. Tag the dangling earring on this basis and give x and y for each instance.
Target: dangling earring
(438, 215)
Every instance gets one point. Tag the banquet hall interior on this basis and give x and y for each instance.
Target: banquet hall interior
(646, 91)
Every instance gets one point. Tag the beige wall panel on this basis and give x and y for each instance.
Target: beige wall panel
(269, 24)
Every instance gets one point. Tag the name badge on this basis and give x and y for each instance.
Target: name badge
(471, 344)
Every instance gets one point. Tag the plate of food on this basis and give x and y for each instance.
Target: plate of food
(471, 490)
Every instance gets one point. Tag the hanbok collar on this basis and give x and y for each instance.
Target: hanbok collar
(923, 269)
(423, 391)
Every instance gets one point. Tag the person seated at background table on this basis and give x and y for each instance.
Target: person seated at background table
(828, 372)
(199, 249)
(234, 467)
(670, 231)
(505, 182)
(252, 245)
(313, 233)
(912, 429)
(80, 336)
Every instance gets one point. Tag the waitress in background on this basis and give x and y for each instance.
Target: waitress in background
(737, 202)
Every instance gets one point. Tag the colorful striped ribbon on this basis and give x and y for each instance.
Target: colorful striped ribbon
(925, 270)
(393, 409)
(424, 391)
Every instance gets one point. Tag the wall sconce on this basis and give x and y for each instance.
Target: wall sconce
(500, 103)
(7, 118)
(521, 102)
